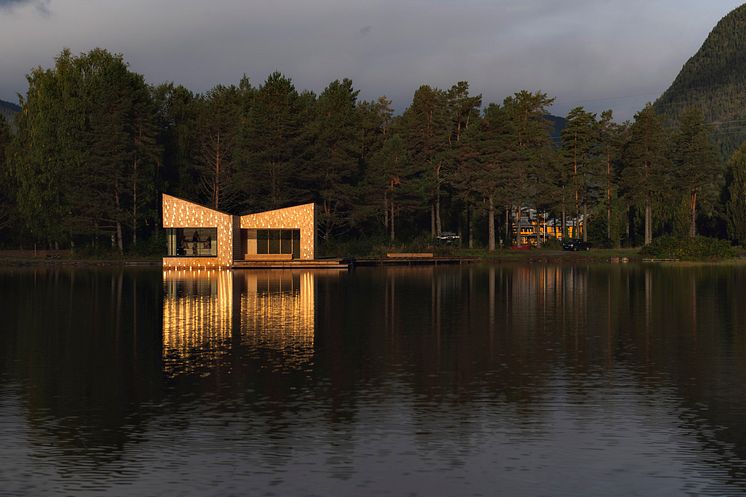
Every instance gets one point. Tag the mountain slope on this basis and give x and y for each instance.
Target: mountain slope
(8, 110)
(714, 79)
(559, 124)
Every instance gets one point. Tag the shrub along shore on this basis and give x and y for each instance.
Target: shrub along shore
(665, 249)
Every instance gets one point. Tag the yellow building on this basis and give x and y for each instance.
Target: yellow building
(534, 226)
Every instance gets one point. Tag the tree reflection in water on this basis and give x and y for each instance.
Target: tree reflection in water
(413, 379)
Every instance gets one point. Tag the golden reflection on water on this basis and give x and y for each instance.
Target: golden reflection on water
(197, 315)
(205, 313)
(277, 311)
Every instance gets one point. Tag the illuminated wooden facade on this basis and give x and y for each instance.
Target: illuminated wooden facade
(181, 214)
(299, 217)
(201, 237)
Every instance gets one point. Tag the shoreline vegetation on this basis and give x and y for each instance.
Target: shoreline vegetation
(43, 258)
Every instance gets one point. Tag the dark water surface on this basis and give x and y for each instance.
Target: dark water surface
(483, 380)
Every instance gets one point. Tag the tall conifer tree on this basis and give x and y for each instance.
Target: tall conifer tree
(7, 202)
(579, 145)
(426, 133)
(530, 153)
(274, 142)
(177, 112)
(646, 165)
(611, 138)
(697, 170)
(335, 155)
(486, 172)
(736, 204)
(218, 128)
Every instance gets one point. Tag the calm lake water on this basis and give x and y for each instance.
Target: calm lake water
(452, 381)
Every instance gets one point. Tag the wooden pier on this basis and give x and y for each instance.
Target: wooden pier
(292, 264)
(414, 261)
(396, 260)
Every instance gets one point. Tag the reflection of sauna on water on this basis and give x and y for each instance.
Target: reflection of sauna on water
(277, 312)
(205, 312)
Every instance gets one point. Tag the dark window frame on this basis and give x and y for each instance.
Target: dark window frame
(278, 241)
(184, 245)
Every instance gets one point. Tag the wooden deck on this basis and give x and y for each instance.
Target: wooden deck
(414, 261)
(346, 264)
(268, 257)
(410, 255)
(292, 264)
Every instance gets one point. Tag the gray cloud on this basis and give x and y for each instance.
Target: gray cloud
(42, 6)
(597, 53)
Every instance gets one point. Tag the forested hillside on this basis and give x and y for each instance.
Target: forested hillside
(714, 81)
(8, 110)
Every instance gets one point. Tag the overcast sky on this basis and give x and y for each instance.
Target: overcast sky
(601, 54)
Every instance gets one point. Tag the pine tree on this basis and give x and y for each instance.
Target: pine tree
(611, 138)
(145, 157)
(273, 138)
(697, 170)
(463, 109)
(465, 178)
(530, 154)
(391, 181)
(736, 203)
(485, 171)
(376, 118)
(335, 155)
(177, 111)
(218, 128)
(464, 112)
(7, 202)
(580, 141)
(426, 133)
(646, 165)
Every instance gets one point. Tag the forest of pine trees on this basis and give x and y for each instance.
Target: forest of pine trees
(94, 145)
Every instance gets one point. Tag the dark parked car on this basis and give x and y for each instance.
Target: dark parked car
(576, 245)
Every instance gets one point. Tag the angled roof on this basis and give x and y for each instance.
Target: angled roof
(245, 213)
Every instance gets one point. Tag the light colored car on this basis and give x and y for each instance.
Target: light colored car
(448, 237)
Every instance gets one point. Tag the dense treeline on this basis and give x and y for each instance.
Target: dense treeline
(94, 145)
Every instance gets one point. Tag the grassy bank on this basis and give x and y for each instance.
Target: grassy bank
(66, 257)
(507, 254)
(543, 255)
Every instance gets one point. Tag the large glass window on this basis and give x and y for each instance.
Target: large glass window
(296, 244)
(262, 241)
(192, 242)
(274, 242)
(286, 242)
(278, 242)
